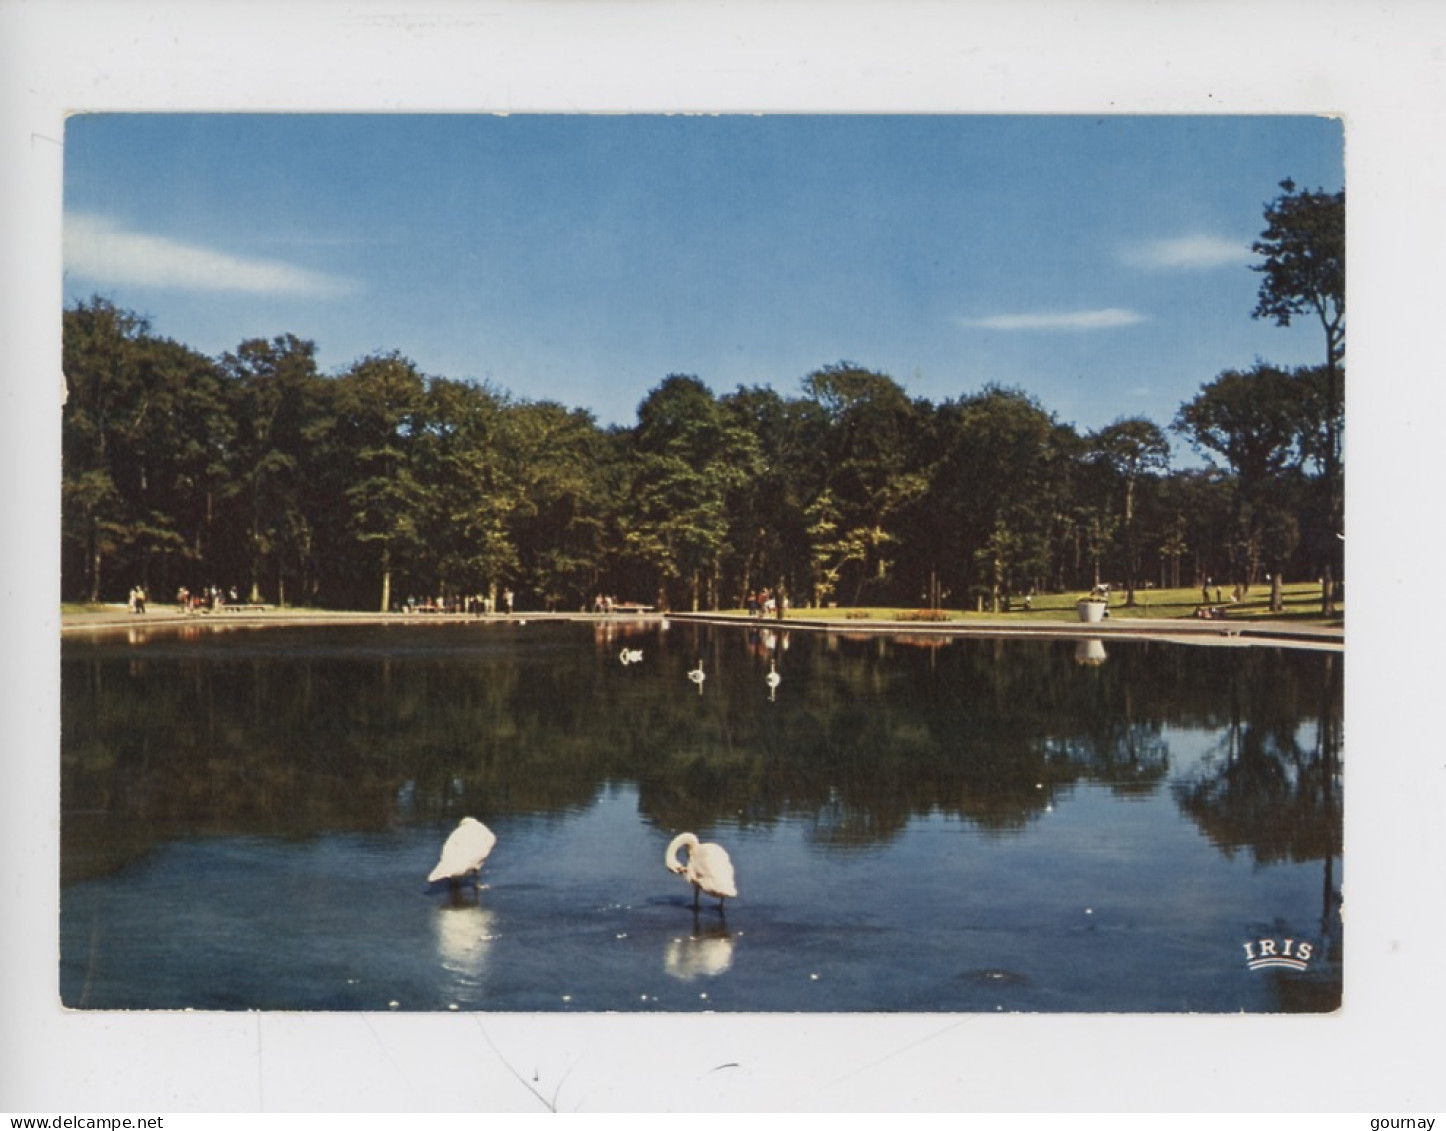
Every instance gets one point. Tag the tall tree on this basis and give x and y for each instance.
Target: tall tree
(871, 479)
(380, 398)
(1258, 423)
(997, 489)
(1131, 448)
(561, 463)
(469, 495)
(689, 461)
(276, 388)
(1304, 272)
(768, 523)
(99, 361)
(144, 438)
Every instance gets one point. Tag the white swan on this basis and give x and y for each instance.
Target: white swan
(463, 853)
(630, 656)
(773, 679)
(697, 676)
(708, 867)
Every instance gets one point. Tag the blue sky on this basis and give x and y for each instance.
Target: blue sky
(1101, 264)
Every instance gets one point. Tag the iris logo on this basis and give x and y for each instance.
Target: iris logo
(1289, 953)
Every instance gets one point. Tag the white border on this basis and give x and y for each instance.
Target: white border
(1379, 65)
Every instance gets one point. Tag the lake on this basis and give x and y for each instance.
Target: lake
(919, 823)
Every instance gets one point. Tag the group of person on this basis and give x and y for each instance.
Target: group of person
(764, 604)
(136, 600)
(479, 604)
(212, 597)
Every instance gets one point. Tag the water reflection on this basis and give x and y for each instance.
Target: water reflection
(1090, 652)
(1271, 783)
(288, 732)
(995, 769)
(706, 953)
(465, 932)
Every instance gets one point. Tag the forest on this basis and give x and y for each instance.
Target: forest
(380, 485)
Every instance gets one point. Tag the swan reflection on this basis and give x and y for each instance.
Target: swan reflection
(706, 953)
(465, 932)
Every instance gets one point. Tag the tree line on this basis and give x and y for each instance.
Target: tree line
(379, 485)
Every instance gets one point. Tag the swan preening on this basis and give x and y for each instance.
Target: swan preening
(697, 676)
(463, 853)
(707, 868)
(630, 656)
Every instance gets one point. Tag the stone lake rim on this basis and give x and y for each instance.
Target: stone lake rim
(1235, 633)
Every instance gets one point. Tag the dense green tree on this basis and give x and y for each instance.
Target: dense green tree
(871, 478)
(469, 495)
(256, 470)
(690, 460)
(144, 442)
(1130, 449)
(567, 478)
(1304, 273)
(997, 486)
(275, 389)
(769, 524)
(379, 402)
(1259, 424)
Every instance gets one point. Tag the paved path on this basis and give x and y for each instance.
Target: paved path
(1240, 632)
(1175, 628)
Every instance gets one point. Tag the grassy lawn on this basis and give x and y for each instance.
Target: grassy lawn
(1302, 605)
(71, 608)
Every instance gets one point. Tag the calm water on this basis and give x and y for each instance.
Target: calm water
(249, 815)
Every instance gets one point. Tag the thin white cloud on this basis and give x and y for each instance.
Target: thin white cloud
(99, 250)
(1187, 253)
(1109, 318)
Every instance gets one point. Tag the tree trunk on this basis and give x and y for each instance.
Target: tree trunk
(93, 555)
(1130, 541)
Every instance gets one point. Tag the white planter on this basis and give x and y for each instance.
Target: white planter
(1091, 612)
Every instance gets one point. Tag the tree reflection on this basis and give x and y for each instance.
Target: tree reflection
(293, 732)
(1272, 788)
(1272, 784)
